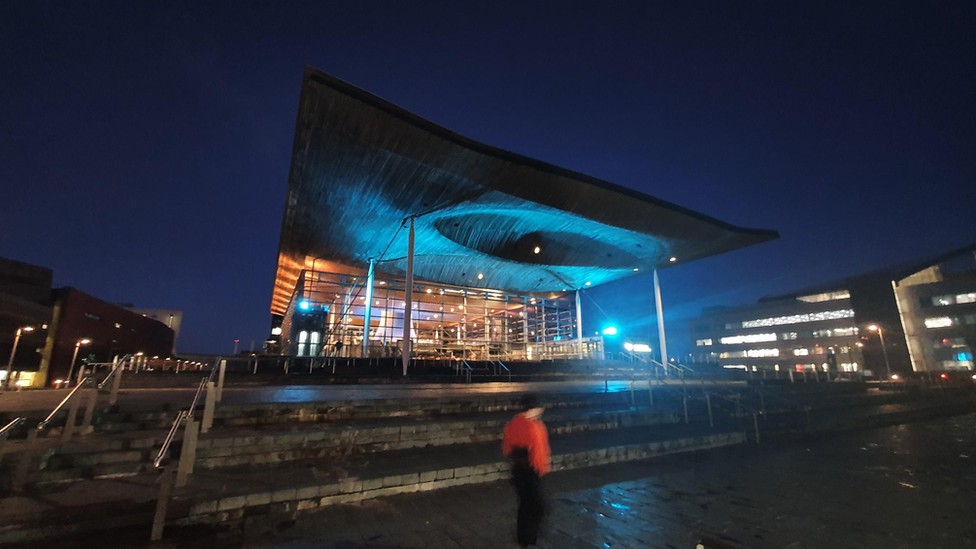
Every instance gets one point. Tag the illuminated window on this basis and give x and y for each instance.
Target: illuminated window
(751, 353)
(845, 331)
(826, 296)
(800, 318)
(966, 298)
(940, 322)
(749, 338)
(952, 343)
(302, 338)
(789, 335)
(313, 347)
(801, 352)
(703, 342)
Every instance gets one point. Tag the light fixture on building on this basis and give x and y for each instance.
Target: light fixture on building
(480, 276)
(536, 250)
(673, 259)
(587, 282)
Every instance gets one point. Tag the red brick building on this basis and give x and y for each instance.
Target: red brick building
(112, 330)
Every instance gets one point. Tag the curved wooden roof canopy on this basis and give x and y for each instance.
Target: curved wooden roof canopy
(361, 165)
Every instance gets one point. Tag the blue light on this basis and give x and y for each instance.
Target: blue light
(304, 305)
(610, 331)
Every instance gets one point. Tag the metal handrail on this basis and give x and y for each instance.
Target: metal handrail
(739, 404)
(196, 397)
(115, 369)
(10, 426)
(43, 424)
(164, 449)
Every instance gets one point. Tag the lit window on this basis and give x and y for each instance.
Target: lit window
(801, 352)
(749, 338)
(826, 296)
(966, 298)
(800, 318)
(939, 322)
(703, 342)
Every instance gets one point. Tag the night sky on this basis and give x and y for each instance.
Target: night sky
(144, 152)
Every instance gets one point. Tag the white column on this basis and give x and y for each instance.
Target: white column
(408, 301)
(579, 326)
(660, 321)
(368, 313)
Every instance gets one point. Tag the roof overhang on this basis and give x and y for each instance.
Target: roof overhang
(362, 165)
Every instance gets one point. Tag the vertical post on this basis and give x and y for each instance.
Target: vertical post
(69, 424)
(791, 377)
(579, 326)
(220, 379)
(632, 401)
(162, 503)
(408, 299)
(708, 401)
(762, 401)
(26, 460)
(188, 454)
(86, 425)
(210, 403)
(660, 322)
(650, 392)
(116, 384)
(755, 423)
(368, 312)
(685, 399)
(525, 327)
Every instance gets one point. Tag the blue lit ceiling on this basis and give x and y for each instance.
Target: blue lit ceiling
(361, 165)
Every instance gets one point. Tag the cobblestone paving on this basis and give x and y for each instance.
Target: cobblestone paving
(911, 486)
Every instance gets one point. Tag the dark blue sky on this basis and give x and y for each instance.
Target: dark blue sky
(144, 152)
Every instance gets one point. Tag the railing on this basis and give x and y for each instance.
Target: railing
(191, 433)
(5, 432)
(502, 364)
(468, 370)
(738, 405)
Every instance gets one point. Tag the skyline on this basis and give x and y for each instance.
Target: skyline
(172, 144)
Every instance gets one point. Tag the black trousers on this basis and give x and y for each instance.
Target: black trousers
(532, 503)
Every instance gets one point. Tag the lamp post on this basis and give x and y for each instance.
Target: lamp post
(884, 350)
(71, 371)
(10, 363)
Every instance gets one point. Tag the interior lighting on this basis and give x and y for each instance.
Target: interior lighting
(641, 348)
(429, 290)
(304, 305)
(673, 259)
(536, 250)
(895, 377)
(274, 332)
(587, 283)
(480, 276)
(636, 269)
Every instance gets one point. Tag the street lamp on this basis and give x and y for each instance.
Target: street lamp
(71, 371)
(884, 350)
(10, 363)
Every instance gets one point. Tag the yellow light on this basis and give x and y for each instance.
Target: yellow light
(873, 327)
(28, 328)
(894, 377)
(84, 341)
(536, 250)
(429, 290)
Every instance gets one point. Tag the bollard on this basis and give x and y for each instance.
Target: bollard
(188, 454)
(286, 366)
(220, 380)
(210, 403)
(162, 503)
(708, 401)
(255, 367)
(69, 424)
(26, 459)
(791, 377)
(86, 425)
(755, 423)
(116, 383)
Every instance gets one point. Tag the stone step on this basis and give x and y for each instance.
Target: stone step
(102, 456)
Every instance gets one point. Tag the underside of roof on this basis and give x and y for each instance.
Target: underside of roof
(362, 165)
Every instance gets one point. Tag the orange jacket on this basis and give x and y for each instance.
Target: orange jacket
(530, 434)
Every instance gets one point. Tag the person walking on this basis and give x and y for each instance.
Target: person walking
(526, 445)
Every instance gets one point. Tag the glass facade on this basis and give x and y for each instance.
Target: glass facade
(326, 317)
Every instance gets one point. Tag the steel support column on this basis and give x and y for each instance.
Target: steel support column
(579, 326)
(660, 322)
(408, 300)
(368, 313)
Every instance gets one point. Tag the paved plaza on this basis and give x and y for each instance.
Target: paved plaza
(908, 486)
